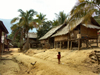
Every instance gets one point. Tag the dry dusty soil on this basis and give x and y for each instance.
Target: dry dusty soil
(73, 62)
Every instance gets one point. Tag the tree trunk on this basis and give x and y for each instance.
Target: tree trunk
(26, 46)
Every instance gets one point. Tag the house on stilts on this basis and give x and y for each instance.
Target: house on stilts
(47, 39)
(76, 33)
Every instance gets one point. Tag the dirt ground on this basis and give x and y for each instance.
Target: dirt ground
(73, 62)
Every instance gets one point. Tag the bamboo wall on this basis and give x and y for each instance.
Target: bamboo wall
(87, 32)
(61, 38)
(73, 34)
(43, 41)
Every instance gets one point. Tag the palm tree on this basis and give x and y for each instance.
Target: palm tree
(85, 8)
(61, 17)
(82, 12)
(25, 22)
(55, 23)
(40, 20)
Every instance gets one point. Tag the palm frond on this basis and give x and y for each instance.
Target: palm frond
(17, 33)
(14, 20)
(14, 27)
(22, 12)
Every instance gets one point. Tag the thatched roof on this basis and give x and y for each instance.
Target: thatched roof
(32, 35)
(3, 28)
(51, 32)
(70, 26)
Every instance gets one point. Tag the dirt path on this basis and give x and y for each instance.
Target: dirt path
(44, 67)
(21, 66)
(7, 65)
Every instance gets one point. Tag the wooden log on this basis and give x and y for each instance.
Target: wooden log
(97, 57)
(97, 51)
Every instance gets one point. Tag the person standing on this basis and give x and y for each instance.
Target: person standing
(59, 57)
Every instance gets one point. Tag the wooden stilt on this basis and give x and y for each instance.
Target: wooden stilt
(63, 44)
(78, 44)
(71, 46)
(87, 43)
(68, 44)
(97, 42)
(54, 44)
(60, 44)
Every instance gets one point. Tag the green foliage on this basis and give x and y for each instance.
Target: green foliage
(97, 18)
(44, 29)
(22, 24)
(40, 19)
(84, 10)
(55, 23)
(15, 41)
(61, 17)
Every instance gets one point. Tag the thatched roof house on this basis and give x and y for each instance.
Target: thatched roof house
(2, 29)
(50, 33)
(88, 30)
(32, 35)
(32, 39)
(47, 37)
(70, 27)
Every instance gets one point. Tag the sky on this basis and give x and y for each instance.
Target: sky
(9, 8)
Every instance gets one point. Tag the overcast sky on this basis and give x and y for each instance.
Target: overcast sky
(9, 8)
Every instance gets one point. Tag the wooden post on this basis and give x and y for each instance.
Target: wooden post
(68, 44)
(60, 44)
(54, 44)
(97, 42)
(0, 50)
(71, 45)
(3, 44)
(87, 43)
(63, 44)
(78, 44)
